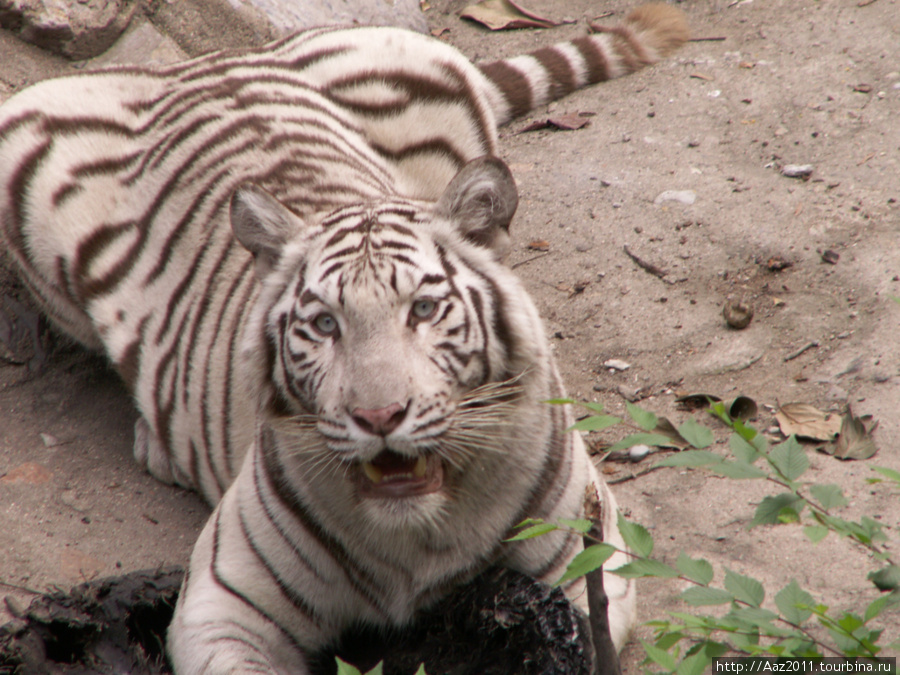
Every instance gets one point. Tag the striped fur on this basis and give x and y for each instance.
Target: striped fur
(291, 255)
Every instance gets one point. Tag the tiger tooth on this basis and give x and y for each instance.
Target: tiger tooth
(421, 467)
(372, 472)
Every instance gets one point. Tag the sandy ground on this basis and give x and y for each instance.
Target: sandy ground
(783, 82)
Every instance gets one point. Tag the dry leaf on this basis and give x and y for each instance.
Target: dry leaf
(568, 122)
(807, 421)
(505, 14)
(855, 440)
(539, 245)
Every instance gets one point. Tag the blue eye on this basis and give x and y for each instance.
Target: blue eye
(325, 324)
(424, 308)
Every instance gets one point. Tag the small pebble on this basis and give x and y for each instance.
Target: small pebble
(637, 452)
(616, 364)
(737, 314)
(797, 170)
(686, 197)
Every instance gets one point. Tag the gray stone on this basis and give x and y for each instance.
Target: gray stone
(290, 15)
(77, 30)
(686, 197)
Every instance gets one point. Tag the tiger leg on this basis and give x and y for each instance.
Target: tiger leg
(151, 454)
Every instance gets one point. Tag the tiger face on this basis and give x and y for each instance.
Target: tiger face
(393, 350)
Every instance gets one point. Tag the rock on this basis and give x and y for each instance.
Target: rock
(502, 622)
(287, 16)
(141, 44)
(76, 30)
(737, 314)
(797, 170)
(616, 364)
(686, 197)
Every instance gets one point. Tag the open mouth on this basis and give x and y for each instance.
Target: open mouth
(395, 476)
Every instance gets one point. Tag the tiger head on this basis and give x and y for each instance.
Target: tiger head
(397, 347)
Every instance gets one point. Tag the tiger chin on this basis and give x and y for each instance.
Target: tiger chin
(403, 427)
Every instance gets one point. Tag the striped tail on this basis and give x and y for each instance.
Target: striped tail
(525, 82)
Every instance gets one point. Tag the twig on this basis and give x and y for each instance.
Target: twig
(804, 348)
(525, 262)
(708, 39)
(649, 267)
(606, 659)
(20, 588)
(631, 476)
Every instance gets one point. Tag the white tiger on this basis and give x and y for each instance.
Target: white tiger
(365, 386)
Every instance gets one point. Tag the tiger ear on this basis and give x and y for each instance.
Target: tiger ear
(481, 201)
(262, 225)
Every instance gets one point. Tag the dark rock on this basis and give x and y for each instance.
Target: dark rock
(500, 623)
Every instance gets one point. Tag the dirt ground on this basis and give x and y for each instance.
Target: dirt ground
(771, 83)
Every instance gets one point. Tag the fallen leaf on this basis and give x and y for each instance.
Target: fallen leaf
(699, 401)
(862, 88)
(539, 245)
(505, 14)
(702, 76)
(437, 32)
(665, 428)
(746, 64)
(854, 440)
(29, 472)
(568, 122)
(807, 421)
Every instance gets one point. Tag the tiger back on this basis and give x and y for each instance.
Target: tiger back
(292, 256)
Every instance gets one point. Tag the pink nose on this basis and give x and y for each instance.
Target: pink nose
(379, 421)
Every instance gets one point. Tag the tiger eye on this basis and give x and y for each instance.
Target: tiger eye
(424, 308)
(325, 324)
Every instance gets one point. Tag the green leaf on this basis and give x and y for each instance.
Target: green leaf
(636, 537)
(595, 423)
(534, 531)
(792, 601)
(377, 670)
(887, 473)
(656, 440)
(696, 434)
(828, 496)
(695, 664)
(596, 408)
(738, 470)
(699, 570)
(886, 579)
(789, 459)
(816, 533)
(587, 561)
(742, 449)
(581, 525)
(421, 670)
(693, 458)
(880, 604)
(645, 419)
(699, 596)
(345, 668)
(772, 508)
(645, 568)
(659, 656)
(560, 401)
(747, 589)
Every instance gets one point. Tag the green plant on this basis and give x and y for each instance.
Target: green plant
(685, 643)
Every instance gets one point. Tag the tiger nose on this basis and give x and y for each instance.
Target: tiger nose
(379, 421)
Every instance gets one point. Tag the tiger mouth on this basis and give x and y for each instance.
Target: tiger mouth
(394, 476)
